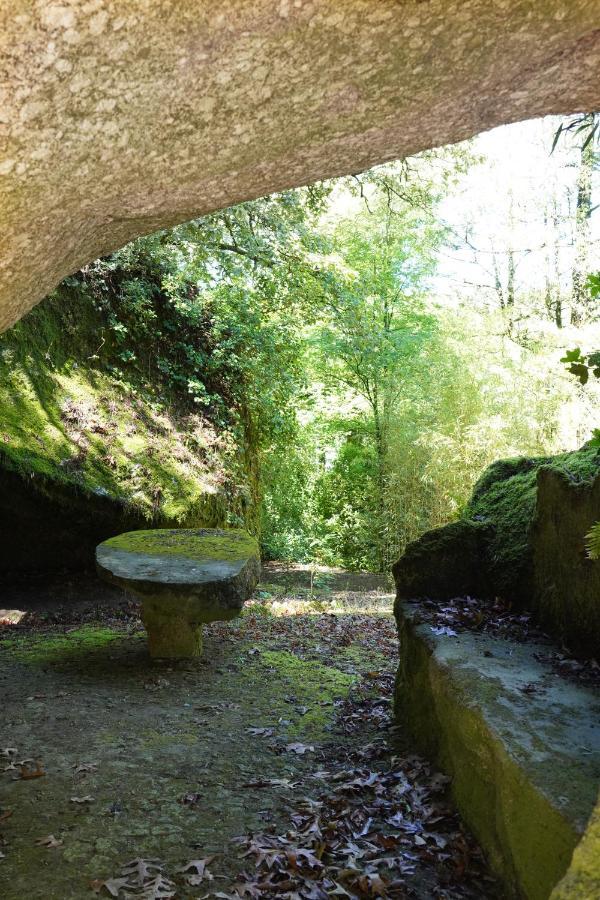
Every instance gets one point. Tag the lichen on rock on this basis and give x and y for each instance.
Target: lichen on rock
(188, 543)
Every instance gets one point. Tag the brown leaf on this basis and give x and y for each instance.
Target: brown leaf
(372, 885)
(199, 866)
(270, 782)
(190, 799)
(84, 768)
(299, 748)
(49, 841)
(242, 889)
(26, 773)
(141, 870)
(111, 885)
(300, 857)
(160, 888)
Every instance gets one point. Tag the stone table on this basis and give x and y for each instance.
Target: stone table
(184, 577)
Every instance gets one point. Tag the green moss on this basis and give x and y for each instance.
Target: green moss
(39, 650)
(582, 881)
(85, 451)
(444, 562)
(311, 684)
(154, 740)
(521, 539)
(502, 470)
(505, 498)
(231, 544)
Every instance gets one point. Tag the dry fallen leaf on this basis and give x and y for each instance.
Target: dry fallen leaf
(112, 885)
(190, 799)
(141, 869)
(199, 866)
(84, 768)
(270, 782)
(50, 842)
(160, 888)
(26, 772)
(299, 748)
(87, 799)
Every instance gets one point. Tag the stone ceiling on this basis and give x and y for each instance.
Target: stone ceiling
(118, 117)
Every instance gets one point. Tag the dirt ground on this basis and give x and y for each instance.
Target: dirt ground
(275, 753)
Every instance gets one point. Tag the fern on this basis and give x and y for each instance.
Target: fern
(592, 541)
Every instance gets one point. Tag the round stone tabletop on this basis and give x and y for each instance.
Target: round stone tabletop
(176, 556)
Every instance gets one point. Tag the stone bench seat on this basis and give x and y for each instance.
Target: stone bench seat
(184, 577)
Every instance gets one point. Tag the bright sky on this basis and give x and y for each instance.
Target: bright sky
(502, 203)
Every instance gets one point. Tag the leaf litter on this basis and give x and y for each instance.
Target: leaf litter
(364, 816)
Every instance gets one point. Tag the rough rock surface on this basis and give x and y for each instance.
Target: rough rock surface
(525, 764)
(117, 118)
(566, 589)
(522, 539)
(185, 578)
(444, 562)
(583, 878)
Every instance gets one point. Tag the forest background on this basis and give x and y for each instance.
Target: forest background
(359, 350)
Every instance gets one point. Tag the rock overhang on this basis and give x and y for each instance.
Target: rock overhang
(118, 119)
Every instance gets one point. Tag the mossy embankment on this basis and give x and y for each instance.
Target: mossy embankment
(522, 538)
(94, 441)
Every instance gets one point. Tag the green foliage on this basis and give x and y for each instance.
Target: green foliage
(585, 128)
(352, 411)
(581, 366)
(592, 541)
(593, 285)
(406, 404)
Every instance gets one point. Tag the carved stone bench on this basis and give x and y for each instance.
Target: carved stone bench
(184, 578)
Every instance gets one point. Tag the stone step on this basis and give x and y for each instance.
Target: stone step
(521, 743)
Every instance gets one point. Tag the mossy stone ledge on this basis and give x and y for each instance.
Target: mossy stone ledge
(524, 763)
(185, 578)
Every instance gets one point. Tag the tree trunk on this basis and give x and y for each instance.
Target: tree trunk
(380, 450)
(553, 293)
(510, 279)
(580, 301)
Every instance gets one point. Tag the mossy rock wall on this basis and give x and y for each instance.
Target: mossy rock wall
(90, 449)
(582, 880)
(522, 539)
(566, 588)
(457, 549)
